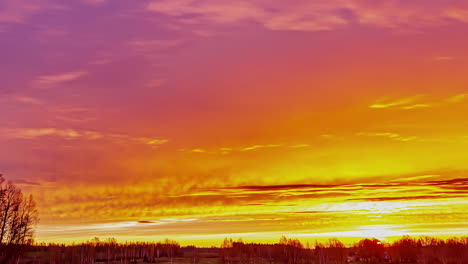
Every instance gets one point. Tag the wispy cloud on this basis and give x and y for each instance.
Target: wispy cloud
(225, 149)
(155, 83)
(95, 2)
(261, 146)
(407, 198)
(73, 134)
(216, 11)
(28, 100)
(32, 133)
(59, 78)
(17, 11)
(416, 106)
(389, 135)
(443, 58)
(416, 102)
(312, 16)
(415, 178)
(388, 103)
(195, 150)
(388, 191)
(458, 98)
(300, 146)
(198, 150)
(27, 182)
(157, 43)
(229, 150)
(301, 16)
(298, 15)
(157, 141)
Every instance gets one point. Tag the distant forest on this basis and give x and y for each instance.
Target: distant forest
(426, 250)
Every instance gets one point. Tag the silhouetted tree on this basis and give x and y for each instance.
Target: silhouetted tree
(171, 248)
(227, 251)
(292, 249)
(336, 251)
(371, 250)
(407, 249)
(18, 216)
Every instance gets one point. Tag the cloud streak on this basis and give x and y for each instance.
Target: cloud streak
(60, 78)
(314, 16)
(417, 102)
(389, 135)
(72, 134)
(18, 11)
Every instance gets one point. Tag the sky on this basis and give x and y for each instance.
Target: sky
(197, 120)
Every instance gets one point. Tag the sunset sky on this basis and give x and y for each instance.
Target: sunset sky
(197, 120)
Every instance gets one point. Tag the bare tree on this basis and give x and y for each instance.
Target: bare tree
(18, 216)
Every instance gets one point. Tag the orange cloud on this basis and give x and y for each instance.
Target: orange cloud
(458, 98)
(261, 146)
(71, 134)
(386, 103)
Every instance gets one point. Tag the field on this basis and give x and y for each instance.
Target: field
(201, 258)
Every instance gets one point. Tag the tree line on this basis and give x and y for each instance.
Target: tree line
(425, 250)
(105, 251)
